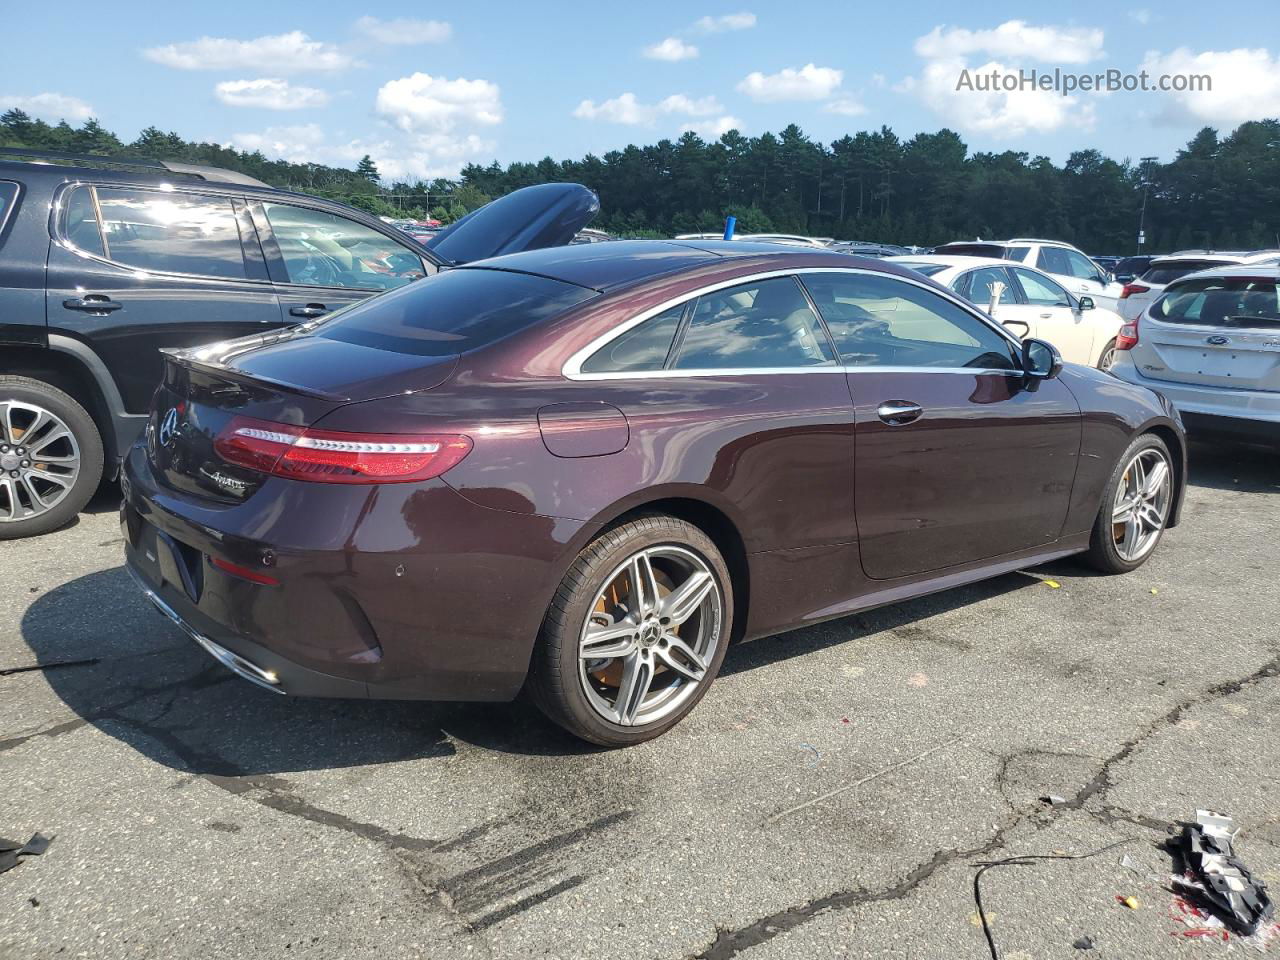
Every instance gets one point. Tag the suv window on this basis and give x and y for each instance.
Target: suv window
(452, 312)
(975, 286)
(1054, 260)
(8, 197)
(1082, 266)
(643, 347)
(171, 232)
(1040, 291)
(83, 229)
(1169, 272)
(883, 321)
(321, 249)
(764, 324)
(1016, 253)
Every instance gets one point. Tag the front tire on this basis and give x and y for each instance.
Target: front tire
(1135, 507)
(635, 634)
(50, 457)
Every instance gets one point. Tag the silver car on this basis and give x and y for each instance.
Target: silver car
(1211, 345)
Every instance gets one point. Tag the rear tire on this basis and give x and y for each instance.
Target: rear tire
(1107, 359)
(1135, 507)
(667, 643)
(50, 457)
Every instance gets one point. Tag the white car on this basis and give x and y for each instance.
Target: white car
(1032, 304)
(1069, 266)
(820, 242)
(1141, 292)
(1211, 345)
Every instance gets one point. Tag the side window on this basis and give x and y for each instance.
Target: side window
(1054, 260)
(883, 321)
(82, 222)
(977, 286)
(1017, 253)
(768, 323)
(321, 249)
(643, 347)
(8, 199)
(1081, 266)
(1041, 291)
(171, 232)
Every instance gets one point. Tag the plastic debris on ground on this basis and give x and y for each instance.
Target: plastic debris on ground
(12, 852)
(1133, 903)
(1084, 943)
(1220, 895)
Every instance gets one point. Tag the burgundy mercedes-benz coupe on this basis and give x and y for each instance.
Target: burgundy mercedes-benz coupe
(584, 471)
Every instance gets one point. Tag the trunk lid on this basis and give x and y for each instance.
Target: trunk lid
(546, 215)
(1219, 331)
(289, 378)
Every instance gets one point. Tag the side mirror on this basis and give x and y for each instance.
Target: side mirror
(1040, 361)
(1085, 303)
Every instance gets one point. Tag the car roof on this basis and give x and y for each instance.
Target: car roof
(1232, 270)
(950, 260)
(604, 266)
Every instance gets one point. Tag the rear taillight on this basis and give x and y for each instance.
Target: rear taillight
(1131, 288)
(1127, 337)
(333, 456)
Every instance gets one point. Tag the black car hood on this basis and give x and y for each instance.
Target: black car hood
(547, 215)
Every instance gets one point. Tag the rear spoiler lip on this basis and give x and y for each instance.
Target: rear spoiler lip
(178, 356)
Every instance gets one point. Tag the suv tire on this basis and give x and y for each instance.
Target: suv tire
(67, 444)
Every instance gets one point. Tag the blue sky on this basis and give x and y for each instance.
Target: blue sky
(424, 88)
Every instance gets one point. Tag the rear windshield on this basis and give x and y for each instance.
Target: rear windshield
(928, 269)
(1221, 302)
(1169, 272)
(452, 312)
(972, 250)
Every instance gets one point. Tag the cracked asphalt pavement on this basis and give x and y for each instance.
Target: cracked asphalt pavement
(828, 798)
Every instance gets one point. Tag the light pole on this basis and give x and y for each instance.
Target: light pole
(1145, 167)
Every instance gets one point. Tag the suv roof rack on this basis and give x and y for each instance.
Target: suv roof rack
(198, 170)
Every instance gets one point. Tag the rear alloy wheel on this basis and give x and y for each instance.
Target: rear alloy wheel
(1108, 358)
(50, 457)
(635, 634)
(1135, 507)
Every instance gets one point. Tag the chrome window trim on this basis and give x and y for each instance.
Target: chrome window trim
(572, 369)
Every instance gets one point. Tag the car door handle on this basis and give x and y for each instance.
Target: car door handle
(1046, 316)
(897, 412)
(92, 303)
(310, 310)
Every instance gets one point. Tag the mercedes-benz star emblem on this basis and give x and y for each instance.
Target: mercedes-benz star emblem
(169, 427)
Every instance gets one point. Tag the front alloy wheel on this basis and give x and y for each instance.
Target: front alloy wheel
(636, 632)
(1141, 504)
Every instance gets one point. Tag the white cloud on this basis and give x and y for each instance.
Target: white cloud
(713, 129)
(269, 93)
(49, 106)
(1014, 39)
(421, 101)
(808, 83)
(404, 31)
(1245, 84)
(421, 156)
(292, 52)
(672, 49)
(1002, 114)
(1140, 16)
(846, 107)
(628, 110)
(730, 21)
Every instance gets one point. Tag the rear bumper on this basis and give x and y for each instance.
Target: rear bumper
(1251, 409)
(403, 591)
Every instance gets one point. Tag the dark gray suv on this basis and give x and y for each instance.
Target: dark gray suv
(104, 263)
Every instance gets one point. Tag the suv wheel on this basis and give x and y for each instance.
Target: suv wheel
(50, 457)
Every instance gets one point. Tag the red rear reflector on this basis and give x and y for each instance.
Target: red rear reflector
(333, 456)
(1128, 335)
(244, 573)
(1131, 288)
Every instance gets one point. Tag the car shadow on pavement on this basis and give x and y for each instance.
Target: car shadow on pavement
(155, 690)
(1223, 464)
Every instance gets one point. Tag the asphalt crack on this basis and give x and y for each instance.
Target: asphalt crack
(729, 943)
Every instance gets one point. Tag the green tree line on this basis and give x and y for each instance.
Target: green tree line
(1220, 192)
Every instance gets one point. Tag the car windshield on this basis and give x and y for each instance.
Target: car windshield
(1221, 302)
(453, 311)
